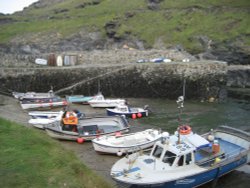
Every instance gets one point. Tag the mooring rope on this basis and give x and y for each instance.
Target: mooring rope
(90, 79)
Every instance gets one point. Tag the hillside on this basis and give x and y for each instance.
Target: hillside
(209, 29)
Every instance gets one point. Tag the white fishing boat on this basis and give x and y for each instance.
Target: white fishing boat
(185, 159)
(33, 95)
(32, 103)
(132, 112)
(87, 128)
(122, 144)
(99, 101)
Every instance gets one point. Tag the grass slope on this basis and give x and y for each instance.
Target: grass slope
(175, 22)
(29, 159)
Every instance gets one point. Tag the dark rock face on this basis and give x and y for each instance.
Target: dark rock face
(238, 77)
(232, 54)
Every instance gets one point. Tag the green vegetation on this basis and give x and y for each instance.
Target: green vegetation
(29, 159)
(174, 22)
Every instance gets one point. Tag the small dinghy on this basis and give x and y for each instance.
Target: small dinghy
(88, 128)
(100, 102)
(131, 112)
(127, 143)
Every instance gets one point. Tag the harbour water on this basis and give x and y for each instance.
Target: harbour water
(201, 116)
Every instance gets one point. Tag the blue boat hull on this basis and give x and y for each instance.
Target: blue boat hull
(195, 180)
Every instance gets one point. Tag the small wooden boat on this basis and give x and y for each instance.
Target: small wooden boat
(185, 159)
(131, 112)
(127, 143)
(79, 99)
(31, 103)
(100, 102)
(87, 128)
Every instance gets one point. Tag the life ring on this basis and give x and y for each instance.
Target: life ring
(185, 129)
(70, 118)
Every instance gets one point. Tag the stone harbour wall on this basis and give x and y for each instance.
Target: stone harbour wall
(204, 79)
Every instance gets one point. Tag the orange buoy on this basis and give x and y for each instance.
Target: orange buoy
(133, 116)
(185, 129)
(80, 140)
(139, 115)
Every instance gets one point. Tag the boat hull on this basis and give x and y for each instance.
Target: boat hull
(97, 104)
(42, 105)
(127, 114)
(72, 136)
(79, 99)
(122, 150)
(128, 143)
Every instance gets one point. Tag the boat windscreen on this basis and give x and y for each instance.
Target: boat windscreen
(169, 158)
(157, 151)
(92, 129)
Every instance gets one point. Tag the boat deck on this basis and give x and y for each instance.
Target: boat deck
(205, 157)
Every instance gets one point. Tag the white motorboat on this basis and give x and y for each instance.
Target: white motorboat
(51, 102)
(99, 101)
(131, 112)
(127, 143)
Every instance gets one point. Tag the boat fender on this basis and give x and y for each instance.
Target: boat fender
(139, 115)
(119, 153)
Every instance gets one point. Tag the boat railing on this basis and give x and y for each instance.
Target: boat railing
(234, 131)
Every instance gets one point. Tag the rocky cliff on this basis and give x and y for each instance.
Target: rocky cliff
(207, 29)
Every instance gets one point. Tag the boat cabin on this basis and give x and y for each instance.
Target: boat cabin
(98, 97)
(176, 154)
(122, 108)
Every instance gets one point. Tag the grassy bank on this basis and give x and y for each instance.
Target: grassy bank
(29, 159)
(173, 22)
